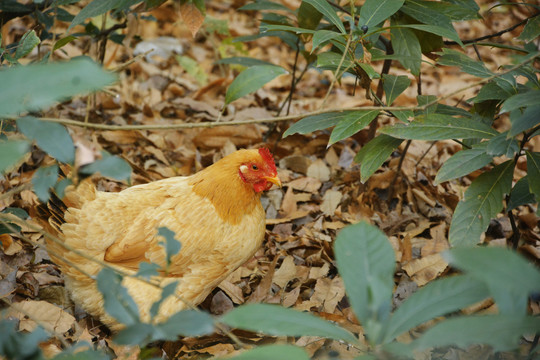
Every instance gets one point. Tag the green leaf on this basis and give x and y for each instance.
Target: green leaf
(193, 68)
(520, 194)
(482, 202)
(110, 166)
(394, 86)
(309, 17)
(272, 352)
(322, 37)
(436, 299)
(117, 302)
(374, 154)
(366, 262)
(28, 42)
(350, 125)
(523, 121)
(440, 127)
(166, 291)
(93, 9)
(24, 88)
(463, 162)
(147, 270)
(244, 61)
(424, 13)
(280, 321)
(447, 32)
(502, 145)
(251, 80)
(43, 180)
(262, 5)
(531, 30)
(533, 172)
(331, 60)
(296, 30)
(492, 91)
(171, 245)
(316, 122)
(373, 12)
(11, 152)
(53, 138)
(135, 334)
(524, 99)
(62, 42)
(184, 323)
(455, 58)
(403, 115)
(324, 8)
(20, 345)
(407, 48)
(502, 332)
(509, 277)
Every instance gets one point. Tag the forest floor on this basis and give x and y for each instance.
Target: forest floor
(322, 190)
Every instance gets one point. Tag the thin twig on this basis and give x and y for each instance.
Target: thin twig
(14, 191)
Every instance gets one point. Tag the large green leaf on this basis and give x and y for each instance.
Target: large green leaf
(251, 80)
(117, 302)
(53, 138)
(354, 122)
(436, 299)
(308, 16)
(509, 277)
(374, 154)
(34, 87)
(463, 162)
(11, 152)
(531, 30)
(324, 8)
(520, 194)
(242, 60)
(43, 180)
(523, 99)
(280, 321)
(98, 7)
(394, 86)
(450, 57)
(322, 37)
(109, 166)
(318, 122)
(366, 262)
(440, 127)
(28, 42)
(447, 32)
(272, 352)
(533, 172)
(523, 121)
(407, 48)
(264, 5)
(502, 332)
(374, 12)
(483, 200)
(502, 145)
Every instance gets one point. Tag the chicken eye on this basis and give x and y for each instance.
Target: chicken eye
(254, 167)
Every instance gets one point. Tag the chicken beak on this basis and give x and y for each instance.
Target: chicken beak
(273, 180)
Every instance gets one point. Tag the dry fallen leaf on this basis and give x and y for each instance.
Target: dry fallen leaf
(331, 201)
(285, 273)
(425, 269)
(50, 317)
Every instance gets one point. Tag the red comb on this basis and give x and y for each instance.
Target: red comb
(267, 156)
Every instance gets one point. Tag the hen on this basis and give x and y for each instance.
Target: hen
(216, 214)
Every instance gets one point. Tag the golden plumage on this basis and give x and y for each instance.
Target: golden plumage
(216, 215)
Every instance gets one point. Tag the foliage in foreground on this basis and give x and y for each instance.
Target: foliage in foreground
(366, 262)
